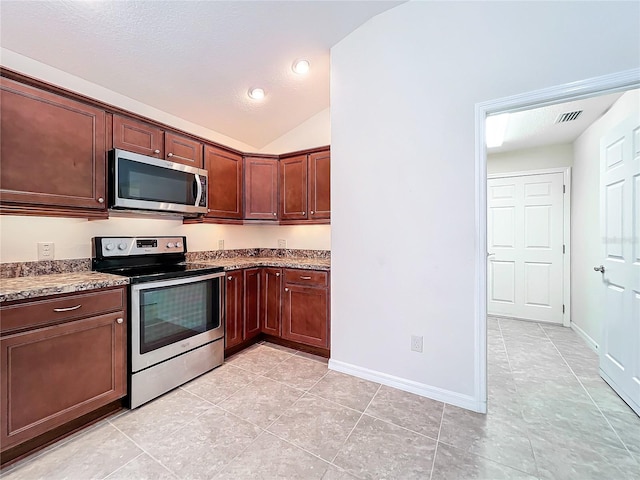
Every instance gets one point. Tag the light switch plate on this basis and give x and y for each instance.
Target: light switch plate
(220, 244)
(282, 243)
(46, 250)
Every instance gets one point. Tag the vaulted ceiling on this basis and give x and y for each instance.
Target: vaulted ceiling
(195, 59)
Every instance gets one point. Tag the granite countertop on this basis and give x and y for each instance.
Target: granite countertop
(278, 262)
(21, 288)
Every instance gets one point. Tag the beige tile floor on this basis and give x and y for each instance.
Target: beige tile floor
(274, 413)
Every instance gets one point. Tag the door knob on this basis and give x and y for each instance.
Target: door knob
(599, 269)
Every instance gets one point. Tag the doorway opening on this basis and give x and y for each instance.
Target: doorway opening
(609, 84)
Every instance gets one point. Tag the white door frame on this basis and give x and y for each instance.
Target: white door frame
(615, 82)
(566, 230)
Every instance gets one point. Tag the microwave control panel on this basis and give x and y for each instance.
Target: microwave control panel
(128, 246)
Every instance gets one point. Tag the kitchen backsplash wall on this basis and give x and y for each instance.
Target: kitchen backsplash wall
(19, 236)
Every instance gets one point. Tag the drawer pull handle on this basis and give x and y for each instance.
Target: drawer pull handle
(305, 278)
(119, 320)
(67, 309)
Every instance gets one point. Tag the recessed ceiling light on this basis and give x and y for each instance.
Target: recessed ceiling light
(256, 93)
(301, 66)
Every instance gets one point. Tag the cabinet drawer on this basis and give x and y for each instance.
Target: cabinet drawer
(306, 277)
(60, 309)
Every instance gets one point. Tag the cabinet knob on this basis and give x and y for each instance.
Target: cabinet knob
(286, 289)
(304, 213)
(156, 151)
(101, 200)
(119, 320)
(274, 214)
(277, 274)
(312, 212)
(169, 154)
(229, 278)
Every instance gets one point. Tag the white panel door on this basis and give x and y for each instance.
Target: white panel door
(620, 269)
(525, 242)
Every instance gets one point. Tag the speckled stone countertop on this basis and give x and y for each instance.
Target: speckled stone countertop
(21, 288)
(278, 262)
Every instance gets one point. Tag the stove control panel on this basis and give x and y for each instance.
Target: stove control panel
(129, 246)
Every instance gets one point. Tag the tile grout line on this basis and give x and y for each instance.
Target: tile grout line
(354, 427)
(518, 395)
(435, 452)
(144, 451)
(589, 395)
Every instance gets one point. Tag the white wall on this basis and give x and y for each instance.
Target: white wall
(19, 235)
(537, 158)
(314, 132)
(403, 91)
(587, 299)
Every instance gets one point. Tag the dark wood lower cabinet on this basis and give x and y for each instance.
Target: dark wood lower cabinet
(252, 302)
(289, 306)
(271, 297)
(52, 375)
(233, 308)
(305, 314)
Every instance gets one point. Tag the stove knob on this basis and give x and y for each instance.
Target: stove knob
(108, 246)
(170, 245)
(122, 246)
(179, 245)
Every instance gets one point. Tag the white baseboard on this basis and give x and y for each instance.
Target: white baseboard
(590, 341)
(453, 398)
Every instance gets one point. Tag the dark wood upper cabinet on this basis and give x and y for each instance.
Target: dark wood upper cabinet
(260, 188)
(52, 154)
(147, 139)
(293, 188)
(183, 150)
(138, 137)
(225, 183)
(271, 295)
(234, 281)
(252, 303)
(320, 185)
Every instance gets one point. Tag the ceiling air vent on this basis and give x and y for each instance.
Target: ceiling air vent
(568, 117)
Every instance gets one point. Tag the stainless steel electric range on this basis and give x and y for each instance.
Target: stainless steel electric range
(176, 311)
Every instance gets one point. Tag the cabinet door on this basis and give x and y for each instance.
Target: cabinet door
(52, 152)
(320, 185)
(293, 188)
(260, 188)
(183, 150)
(305, 315)
(50, 376)
(233, 308)
(271, 300)
(137, 137)
(251, 302)
(225, 183)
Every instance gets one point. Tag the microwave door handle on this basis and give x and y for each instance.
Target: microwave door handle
(198, 186)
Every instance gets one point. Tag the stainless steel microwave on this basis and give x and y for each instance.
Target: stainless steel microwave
(138, 182)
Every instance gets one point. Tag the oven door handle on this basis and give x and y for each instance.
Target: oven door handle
(198, 185)
(168, 282)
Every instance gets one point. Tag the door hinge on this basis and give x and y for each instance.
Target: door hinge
(563, 308)
(564, 189)
(564, 249)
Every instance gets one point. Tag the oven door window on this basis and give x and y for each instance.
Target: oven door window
(173, 313)
(141, 181)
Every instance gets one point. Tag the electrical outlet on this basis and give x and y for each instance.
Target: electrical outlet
(416, 343)
(282, 243)
(220, 244)
(46, 250)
